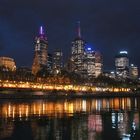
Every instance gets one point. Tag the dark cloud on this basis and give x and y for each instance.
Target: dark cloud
(109, 25)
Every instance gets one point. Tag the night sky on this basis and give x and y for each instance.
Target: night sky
(107, 25)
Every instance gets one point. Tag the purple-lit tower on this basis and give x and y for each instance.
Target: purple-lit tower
(40, 54)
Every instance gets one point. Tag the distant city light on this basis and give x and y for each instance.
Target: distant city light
(123, 52)
(89, 49)
(112, 72)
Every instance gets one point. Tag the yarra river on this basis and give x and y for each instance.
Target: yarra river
(70, 119)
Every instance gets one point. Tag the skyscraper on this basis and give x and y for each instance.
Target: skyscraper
(57, 62)
(122, 65)
(90, 62)
(84, 60)
(40, 54)
(133, 72)
(93, 63)
(98, 63)
(78, 53)
(49, 63)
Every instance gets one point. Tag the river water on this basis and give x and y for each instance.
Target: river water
(70, 119)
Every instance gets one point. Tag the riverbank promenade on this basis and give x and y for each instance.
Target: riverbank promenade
(36, 86)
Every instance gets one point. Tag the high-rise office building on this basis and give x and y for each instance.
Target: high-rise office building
(50, 63)
(78, 54)
(84, 60)
(122, 65)
(40, 54)
(90, 62)
(133, 72)
(93, 63)
(98, 63)
(57, 62)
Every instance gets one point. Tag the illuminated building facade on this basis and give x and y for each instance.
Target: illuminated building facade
(40, 55)
(90, 62)
(122, 65)
(98, 63)
(78, 54)
(7, 63)
(133, 72)
(57, 62)
(84, 60)
(110, 74)
(50, 62)
(69, 65)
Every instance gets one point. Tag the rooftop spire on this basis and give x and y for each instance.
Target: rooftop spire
(79, 29)
(41, 31)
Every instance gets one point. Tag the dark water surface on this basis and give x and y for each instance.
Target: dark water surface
(70, 119)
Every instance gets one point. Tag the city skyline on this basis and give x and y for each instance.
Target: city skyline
(69, 69)
(106, 28)
(42, 34)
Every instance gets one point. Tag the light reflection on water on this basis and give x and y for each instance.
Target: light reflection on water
(70, 119)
